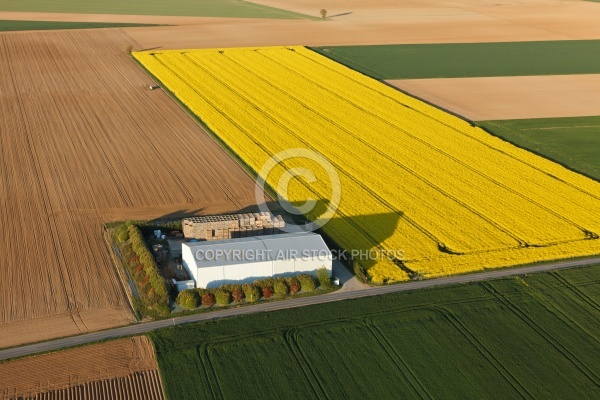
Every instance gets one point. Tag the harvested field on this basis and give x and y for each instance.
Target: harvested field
(388, 22)
(83, 142)
(122, 369)
(499, 98)
(370, 22)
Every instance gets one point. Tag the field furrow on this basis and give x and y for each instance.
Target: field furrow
(82, 142)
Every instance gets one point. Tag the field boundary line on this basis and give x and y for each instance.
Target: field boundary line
(552, 151)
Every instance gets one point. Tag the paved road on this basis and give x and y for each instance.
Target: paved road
(286, 304)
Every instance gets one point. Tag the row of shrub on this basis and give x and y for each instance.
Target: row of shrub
(252, 292)
(149, 281)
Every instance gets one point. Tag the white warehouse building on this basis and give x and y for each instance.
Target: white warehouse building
(243, 260)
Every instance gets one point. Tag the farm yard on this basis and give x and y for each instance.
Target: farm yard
(83, 142)
(124, 369)
(516, 337)
(453, 198)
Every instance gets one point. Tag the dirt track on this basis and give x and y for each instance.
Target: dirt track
(516, 97)
(82, 141)
(122, 369)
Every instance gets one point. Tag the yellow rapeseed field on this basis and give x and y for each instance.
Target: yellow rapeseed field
(414, 179)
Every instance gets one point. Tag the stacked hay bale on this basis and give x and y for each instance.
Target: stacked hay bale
(220, 227)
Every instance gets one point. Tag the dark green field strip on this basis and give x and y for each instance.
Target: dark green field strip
(332, 352)
(268, 355)
(533, 337)
(572, 142)
(188, 8)
(50, 25)
(429, 335)
(462, 60)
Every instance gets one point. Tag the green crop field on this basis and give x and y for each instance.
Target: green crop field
(532, 337)
(573, 142)
(461, 60)
(49, 25)
(191, 8)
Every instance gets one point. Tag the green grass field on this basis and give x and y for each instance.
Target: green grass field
(191, 8)
(534, 337)
(458, 60)
(573, 142)
(49, 25)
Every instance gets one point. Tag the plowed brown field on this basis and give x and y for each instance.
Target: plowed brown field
(510, 97)
(122, 369)
(364, 22)
(82, 141)
(367, 22)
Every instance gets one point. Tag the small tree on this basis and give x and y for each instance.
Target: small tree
(280, 287)
(237, 295)
(188, 298)
(264, 282)
(307, 282)
(123, 235)
(223, 297)
(323, 13)
(251, 293)
(323, 278)
(267, 291)
(294, 284)
(208, 300)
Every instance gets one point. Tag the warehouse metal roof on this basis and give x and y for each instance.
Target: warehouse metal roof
(257, 249)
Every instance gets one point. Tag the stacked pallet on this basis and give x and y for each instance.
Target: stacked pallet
(220, 227)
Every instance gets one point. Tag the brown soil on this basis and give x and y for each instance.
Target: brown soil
(517, 97)
(82, 142)
(389, 22)
(123, 369)
(367, 22)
